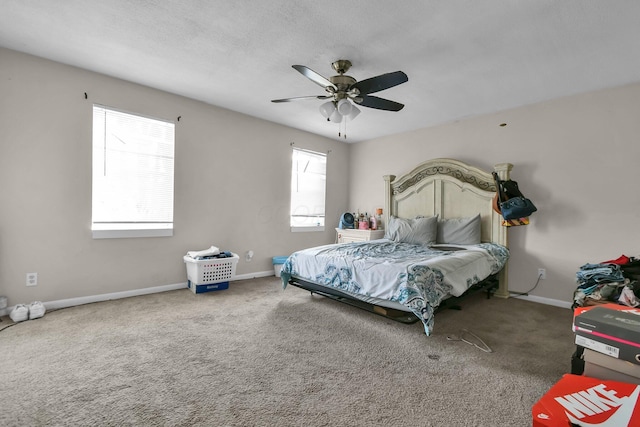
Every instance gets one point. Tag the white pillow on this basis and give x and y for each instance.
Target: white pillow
(459, 231)
(421, 230)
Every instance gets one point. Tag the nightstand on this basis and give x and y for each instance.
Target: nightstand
(349, 235)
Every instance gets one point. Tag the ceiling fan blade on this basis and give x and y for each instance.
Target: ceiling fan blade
(299, 98)
(378, 103)
(381, 82)
(314, 77)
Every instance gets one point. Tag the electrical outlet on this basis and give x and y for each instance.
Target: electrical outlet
(542, 273)
(32, 279)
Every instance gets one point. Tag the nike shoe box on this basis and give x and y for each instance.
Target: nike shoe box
(610, 329)
(584, 401)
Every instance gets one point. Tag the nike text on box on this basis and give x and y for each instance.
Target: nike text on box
(586, 401)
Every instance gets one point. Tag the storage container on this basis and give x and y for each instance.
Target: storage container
(200, 289)
(211, 270)
(278, 261)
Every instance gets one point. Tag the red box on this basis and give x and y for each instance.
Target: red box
(586, 401)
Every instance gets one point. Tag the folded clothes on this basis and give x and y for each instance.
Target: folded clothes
(591, 274)
(212, 251)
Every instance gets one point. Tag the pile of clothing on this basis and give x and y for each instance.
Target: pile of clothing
(615, 280)
(212, 252)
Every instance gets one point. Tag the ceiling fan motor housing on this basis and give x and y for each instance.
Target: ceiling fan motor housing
(343, 83)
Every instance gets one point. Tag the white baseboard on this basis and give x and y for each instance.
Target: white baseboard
(255, 275)
(63, 303)
(53, 305)
(542, 300)
(71, 302)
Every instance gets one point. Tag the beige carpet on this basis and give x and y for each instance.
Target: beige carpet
(255, 355)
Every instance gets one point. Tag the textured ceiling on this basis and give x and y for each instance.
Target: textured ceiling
(463, 58)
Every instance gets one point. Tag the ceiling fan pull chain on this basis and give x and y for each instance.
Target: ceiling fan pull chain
(340, 132)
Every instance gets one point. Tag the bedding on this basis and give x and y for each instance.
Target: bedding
(417, 276)
(461, 231)
(421, 230)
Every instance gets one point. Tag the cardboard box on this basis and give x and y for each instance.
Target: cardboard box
(586, 401)
(598, 365)
(200, 289)
(611, 331)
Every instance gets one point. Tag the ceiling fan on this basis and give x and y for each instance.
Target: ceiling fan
(342, 88)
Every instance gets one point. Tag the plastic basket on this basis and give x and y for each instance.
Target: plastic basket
(278, 261)
(212, 270)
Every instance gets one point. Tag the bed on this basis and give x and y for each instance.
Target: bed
(443, 240)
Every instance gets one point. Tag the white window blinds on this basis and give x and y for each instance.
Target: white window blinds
(308, 187)
(133, 159)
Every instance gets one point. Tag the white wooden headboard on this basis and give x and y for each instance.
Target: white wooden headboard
(450, 189)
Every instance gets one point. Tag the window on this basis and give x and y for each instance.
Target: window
(308, 187)
(132, 175)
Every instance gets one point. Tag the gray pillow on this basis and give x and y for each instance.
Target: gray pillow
(459, 231)
(421, 230)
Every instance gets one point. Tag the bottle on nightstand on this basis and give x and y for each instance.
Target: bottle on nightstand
(379, 223)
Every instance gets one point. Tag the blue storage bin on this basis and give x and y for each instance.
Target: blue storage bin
(207, 287)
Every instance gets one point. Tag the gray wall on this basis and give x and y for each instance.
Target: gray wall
(577, 158)
(232, 178)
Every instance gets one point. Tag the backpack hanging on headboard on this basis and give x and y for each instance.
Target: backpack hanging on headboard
(511, 203)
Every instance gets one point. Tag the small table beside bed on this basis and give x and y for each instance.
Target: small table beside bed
(443, 239)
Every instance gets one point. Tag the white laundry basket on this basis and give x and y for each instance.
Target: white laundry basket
(211, 270)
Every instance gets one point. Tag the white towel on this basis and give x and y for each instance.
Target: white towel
(203, 253)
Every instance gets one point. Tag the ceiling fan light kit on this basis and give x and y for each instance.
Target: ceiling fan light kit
(344, 91)
(354, 112)
(336, 117)
(344, 107)
(327, 109)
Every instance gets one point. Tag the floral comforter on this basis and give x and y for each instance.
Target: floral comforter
(416, 276)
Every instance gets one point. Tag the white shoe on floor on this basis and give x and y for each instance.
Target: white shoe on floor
(19, 313)
(36, 310)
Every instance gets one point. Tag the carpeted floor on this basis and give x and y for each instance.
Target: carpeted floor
(255, 355)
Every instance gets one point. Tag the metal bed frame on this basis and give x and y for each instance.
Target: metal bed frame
(489, 285)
